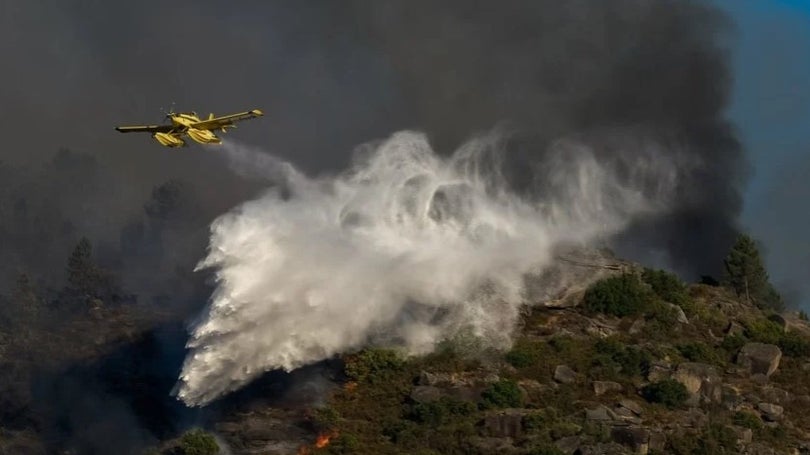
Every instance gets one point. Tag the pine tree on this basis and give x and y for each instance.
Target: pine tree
(82, 273)
(746, 274)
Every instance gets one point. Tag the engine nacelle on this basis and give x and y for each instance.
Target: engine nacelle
(169, 140)
(203, 136)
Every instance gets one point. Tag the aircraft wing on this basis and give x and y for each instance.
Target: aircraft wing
(145, 129)
(227, 120)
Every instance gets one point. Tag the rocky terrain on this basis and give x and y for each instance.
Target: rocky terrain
(609, 358)
(691, 370)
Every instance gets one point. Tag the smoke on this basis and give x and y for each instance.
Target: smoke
(406, 249)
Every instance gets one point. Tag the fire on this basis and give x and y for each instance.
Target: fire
(323, 439)
(320, 442)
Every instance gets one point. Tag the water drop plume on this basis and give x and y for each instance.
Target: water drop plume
(405, 248)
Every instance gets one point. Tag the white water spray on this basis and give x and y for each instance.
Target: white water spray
(406, 248)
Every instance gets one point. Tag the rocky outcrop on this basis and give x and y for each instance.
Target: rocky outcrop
(504, 424)
(605, 387)
(759, 358)
(565, 375)
(702, 381)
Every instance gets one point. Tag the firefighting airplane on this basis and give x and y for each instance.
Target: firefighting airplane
(188, 123)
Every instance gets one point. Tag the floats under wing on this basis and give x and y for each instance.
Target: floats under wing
(212, 123)
(145, 129)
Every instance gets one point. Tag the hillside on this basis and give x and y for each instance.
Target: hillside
(639, 363)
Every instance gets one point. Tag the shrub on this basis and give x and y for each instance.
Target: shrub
(523, 354)
(198, 442)
(803, 316)
(667, 286)
(699, 352)
(620, 296)
(747, 420)
(764, 331)
(794, 345)
(622, 359)
(668, 392)
(502, 394)
(733, 343)
(373, 365)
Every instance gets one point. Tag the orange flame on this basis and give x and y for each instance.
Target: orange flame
(320, 442)
(323, 439)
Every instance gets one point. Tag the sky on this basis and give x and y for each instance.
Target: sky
(771, 110)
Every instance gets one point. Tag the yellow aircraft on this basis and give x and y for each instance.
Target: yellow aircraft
(187, 123)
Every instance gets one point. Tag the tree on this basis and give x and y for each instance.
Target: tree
(82, 273)
(86, 280)
(746, 274)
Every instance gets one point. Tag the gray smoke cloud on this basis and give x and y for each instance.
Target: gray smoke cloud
(616, 76)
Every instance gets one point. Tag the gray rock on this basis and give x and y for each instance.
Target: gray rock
(564, 375)
(637, 327)
(771, 412)
(633, 406)
(776, 395)
(569, 445)
(600, 414)
(702, 381)
(760, 358)
(636, 438)
(426, 393)
(603, 387)
(679, 313)
(659, 371)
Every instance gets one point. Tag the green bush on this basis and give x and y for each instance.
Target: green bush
(747, 420)
(733, 343)
(764, 331)
(620, 296)
(373, 365)
(344, 444)
(667, 286)
(619, 358)
(803, 316)
(198, 442)
(668, 392)
(502, 394)
(794, 345)
(523, 354)
(699, 352)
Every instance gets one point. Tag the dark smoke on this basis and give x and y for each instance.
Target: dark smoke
(330, 75)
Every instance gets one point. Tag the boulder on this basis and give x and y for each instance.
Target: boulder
(702, 381)
(760, 358)
(679, 313)
(658, 371)
(776, 395)
(568, 445)
(600, 414)
(426, 393)
(603, 387)
(658, 441)
(564, 375)
(771, 412)
(631, 405)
